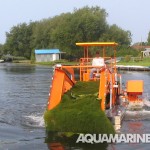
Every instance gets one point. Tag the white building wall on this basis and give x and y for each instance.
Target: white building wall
(55, 57)
(46, 57)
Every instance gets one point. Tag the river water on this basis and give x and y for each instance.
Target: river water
(23, 97)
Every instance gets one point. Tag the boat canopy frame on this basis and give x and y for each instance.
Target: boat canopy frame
(99, 44)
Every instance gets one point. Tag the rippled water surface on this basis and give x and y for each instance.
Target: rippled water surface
(23, 97)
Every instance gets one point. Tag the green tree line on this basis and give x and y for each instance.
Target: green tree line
(63, 31)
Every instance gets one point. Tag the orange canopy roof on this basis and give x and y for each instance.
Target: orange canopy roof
(97, 44)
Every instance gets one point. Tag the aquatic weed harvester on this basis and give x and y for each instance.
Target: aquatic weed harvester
(90, 105)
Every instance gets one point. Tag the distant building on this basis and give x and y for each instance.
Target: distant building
(146, 52)
(140, 47)
(46, 55)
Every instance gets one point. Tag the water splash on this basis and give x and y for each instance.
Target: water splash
(35, 120)
(144, 112)
(137, 115)
(147, 102)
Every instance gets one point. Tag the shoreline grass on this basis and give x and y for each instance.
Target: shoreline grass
(52, 63)
(145, 62)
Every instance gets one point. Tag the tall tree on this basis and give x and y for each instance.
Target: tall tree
(63, 31)
(115, 33)
(148, 39)
(18, 40)
(1, 50)
(86, 24)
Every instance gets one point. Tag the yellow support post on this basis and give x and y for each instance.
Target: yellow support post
(102, 89)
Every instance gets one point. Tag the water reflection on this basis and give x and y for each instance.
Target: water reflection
(135, 127)
(18, 68)
(56, 146)
(59, 141)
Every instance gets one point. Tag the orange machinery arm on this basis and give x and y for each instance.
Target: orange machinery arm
(61, 83)
(105, 78)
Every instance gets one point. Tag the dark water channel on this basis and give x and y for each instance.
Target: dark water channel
(23, 96)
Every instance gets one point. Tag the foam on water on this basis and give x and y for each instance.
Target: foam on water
(140, 114)
(147, 102)
(144, 111)
(35, 120)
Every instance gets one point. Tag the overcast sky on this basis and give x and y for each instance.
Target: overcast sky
(132, 15)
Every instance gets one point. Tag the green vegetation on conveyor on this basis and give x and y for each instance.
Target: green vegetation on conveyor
(79, 112)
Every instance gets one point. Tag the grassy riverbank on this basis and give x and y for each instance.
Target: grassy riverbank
(143, 62)
(22, 61)
(63, 62)
(79, 112)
